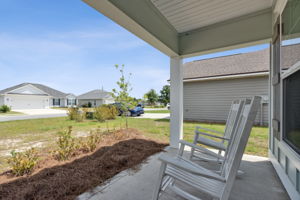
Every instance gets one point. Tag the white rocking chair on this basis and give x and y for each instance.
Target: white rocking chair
(216, 185)
(223, 138)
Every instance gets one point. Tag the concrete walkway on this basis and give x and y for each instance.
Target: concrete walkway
(260, 182)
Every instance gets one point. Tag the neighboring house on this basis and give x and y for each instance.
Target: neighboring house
(95, 98)
(35, 96)
(210, 85)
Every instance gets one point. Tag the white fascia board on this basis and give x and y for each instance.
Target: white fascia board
(228, 77)
(277, 9)
(108, 9)
(252, 29)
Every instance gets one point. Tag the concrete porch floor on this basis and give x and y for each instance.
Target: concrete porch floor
(260, 182)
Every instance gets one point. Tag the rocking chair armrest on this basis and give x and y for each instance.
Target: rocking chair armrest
(211, 135)
(198, 148)
(185, 166)
(208, 129)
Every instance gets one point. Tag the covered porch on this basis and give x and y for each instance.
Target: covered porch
(186, 28)
(260, 181)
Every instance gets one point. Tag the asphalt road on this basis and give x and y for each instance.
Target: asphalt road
(31, 115)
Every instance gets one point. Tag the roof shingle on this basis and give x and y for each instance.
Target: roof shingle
(50, 91)
(95, 94)
(245, 63)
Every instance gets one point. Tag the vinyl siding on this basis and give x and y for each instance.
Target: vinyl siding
(210, 100)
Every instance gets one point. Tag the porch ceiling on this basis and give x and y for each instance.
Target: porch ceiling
(192, 27)
(187, 15)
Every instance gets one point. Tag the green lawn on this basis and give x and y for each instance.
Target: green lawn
(11, 113)
(157, 111)
(46, 129)
(36, 132)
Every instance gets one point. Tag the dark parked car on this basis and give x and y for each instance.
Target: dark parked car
(136, 111)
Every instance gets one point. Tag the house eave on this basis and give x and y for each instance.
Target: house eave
(223, 77)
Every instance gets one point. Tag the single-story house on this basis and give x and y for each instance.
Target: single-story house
(210, 85)
(35, 96)
(95, 98)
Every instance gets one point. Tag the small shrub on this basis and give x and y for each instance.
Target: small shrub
(4, 109)
(113, 112)
(66, 145)
(81, 115)
(90, 142)
(76, 114)
(23, 162)
(72, 113)
(100, 113)
(105, 112)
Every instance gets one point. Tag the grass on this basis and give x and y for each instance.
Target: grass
(157, 111)
(24, 133)
(155, 106)
(59, 108)
(11, 113)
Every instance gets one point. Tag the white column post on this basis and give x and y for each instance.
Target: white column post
(176, 101)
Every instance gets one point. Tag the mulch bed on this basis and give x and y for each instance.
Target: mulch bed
(68, 180)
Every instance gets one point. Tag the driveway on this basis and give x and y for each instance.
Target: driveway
(155, 108)
(34, 114)
(155, 116)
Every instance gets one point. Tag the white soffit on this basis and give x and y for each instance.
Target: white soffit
(186, 15)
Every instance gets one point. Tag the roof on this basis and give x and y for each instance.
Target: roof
(95, 94)
(50, 91)
(238, 64)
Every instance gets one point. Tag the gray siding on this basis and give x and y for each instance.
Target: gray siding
(210, 100)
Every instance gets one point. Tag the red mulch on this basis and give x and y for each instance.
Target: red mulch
(71, 179)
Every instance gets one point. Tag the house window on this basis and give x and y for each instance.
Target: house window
(291, 110)
(56, 102)
(290, 58)
(71, 102)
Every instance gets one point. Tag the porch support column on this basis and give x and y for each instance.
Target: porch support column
(176, 101)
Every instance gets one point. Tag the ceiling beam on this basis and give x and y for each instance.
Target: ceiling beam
(142, 19)
(236, 33)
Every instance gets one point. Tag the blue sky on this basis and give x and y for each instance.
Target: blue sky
(69, 46)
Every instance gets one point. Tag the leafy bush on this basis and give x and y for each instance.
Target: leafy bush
(66, 145)
(23, 162)
(4, 109)
(100, 113)
(90, 143)
(76, 114)
(105, 112)
(111, 111)
(72, 113)
(81, 115)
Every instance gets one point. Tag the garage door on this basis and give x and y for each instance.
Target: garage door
(28, 102)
